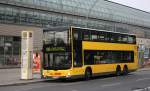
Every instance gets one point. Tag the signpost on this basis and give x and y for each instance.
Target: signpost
(26, 54)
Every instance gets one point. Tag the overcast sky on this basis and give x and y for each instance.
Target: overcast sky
(139, 4)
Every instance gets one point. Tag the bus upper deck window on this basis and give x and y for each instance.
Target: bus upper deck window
(86, 36)
(94, 37)
(130, 39)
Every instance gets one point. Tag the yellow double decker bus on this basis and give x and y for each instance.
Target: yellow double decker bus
(73, 52)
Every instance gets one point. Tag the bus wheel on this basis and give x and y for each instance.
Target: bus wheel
(118, 71)
(125, 70)
(88, 74)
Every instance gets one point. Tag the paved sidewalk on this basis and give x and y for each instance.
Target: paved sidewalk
(9, 77)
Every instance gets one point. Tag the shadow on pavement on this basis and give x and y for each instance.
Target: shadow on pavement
(82, 79)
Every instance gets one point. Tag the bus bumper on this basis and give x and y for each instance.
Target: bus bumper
(62, 77)
(56, 77)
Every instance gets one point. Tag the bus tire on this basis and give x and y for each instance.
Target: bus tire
(125, 70)
(118, 71)
(88, 74)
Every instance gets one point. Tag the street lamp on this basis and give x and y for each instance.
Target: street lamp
(90, 10)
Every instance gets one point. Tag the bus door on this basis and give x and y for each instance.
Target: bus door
(77, 52)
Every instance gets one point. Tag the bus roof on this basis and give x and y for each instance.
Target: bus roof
(62, 28)
(103, 30)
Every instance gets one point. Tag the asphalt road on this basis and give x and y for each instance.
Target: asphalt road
(136, 81)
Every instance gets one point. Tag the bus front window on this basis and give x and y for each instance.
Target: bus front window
(56, 38)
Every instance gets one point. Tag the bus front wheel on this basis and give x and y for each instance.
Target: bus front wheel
(88, 74)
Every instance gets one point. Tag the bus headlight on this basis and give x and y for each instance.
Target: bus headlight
(68, 74)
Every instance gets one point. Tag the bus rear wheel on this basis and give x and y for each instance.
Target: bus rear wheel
(118, 71)
(88, 74)
(125, 70)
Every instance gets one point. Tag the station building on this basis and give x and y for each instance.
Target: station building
(35, 15)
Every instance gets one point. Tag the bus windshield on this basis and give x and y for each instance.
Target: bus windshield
(57, 61)
(56, 49)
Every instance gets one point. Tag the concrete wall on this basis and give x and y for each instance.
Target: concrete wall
(15, 30)
(145, 42)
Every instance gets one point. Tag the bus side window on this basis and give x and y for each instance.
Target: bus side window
(88, 57)
(94, 36)
(125, 39)
(113, 37)
(86, 35)
(119, 38)
(101, 36)
(130, 39)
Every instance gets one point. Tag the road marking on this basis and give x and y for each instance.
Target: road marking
(143, 89)
(138, 90)
(142, 79)
(109, 85)
(148, 88)
(74, 90)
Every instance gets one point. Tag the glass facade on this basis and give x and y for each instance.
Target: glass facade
(99, 14)
(100, 9)
(9, 51)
